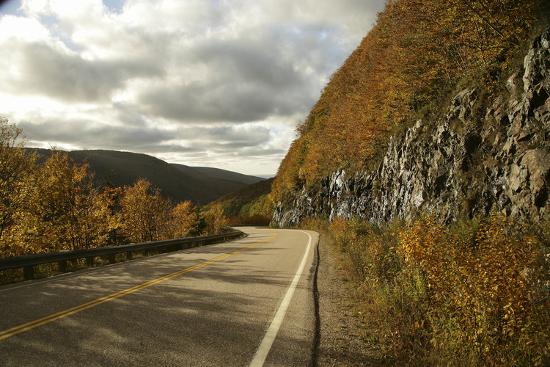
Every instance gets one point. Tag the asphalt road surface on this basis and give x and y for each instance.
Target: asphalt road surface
(242, 303)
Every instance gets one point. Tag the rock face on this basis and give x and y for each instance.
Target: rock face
(482, 155)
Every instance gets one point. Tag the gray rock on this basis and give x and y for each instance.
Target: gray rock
(459, 165)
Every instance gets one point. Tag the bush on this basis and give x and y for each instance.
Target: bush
(473, 293)
(214, 219)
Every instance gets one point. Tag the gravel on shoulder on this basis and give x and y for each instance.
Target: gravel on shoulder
(342, 341)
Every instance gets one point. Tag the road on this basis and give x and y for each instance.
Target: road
(243, 303)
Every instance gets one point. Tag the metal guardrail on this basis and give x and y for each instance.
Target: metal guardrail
(28, 262)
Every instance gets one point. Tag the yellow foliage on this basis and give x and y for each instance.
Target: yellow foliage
(15, 168)
(408, 63)
(145, 213)
(474, 293)
(54, 205)
(215, 219)
(60, 209)
(184, 220)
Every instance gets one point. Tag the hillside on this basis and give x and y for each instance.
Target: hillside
(177, 182)
(249, 205)
(222, 174)
(407, 67)
(485, 152)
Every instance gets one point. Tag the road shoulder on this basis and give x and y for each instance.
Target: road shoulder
(343, 341)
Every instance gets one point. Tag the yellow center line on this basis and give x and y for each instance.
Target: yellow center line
(71, 311)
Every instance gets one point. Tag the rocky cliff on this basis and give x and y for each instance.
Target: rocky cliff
(483, 154)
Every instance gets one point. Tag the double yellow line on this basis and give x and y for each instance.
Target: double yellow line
(71, 311)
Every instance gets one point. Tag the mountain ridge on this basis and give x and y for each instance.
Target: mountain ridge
(176, 181)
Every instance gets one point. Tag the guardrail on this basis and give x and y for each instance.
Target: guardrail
(28, 262)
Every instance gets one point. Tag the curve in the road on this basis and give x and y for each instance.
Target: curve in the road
(207, 306)
(73, 310)
(271, 334)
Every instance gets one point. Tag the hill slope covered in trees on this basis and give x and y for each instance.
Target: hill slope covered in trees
(250, 205)
(410, 63)
(176, 181)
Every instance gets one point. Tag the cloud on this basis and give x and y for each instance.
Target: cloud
(243, 81)
(237, 101)
(142, 137)
(93, 134)
(219, 82)
(69, 77)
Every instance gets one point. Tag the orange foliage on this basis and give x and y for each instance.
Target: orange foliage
(215, 219)
(415, 54)
(53, 205)
(184, 220)
(490, 291)
(145, 213)
(475, 293)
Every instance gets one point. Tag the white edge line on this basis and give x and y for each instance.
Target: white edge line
(271, 334)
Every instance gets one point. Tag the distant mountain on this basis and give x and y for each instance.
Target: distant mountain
(217, 173)
(176, 181)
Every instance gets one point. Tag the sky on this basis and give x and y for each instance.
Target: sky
(220, 83)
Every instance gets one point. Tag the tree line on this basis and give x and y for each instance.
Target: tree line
(53, 205)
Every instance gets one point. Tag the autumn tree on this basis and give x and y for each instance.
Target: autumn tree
(62, 209)
(15, 167)
(145, 214)
(53, 205)
(183, 220)
(215, 219)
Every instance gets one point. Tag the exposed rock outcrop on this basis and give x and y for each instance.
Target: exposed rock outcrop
(482, 155)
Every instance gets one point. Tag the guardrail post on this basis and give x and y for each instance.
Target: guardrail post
(62, 266)
(90, 261)
(28, 272)
(112, 259)
(129, 255)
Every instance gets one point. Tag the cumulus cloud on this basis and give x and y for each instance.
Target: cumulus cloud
(69, 77)
(142, 137)
(199, 82)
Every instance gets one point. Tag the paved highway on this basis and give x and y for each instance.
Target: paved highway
(243, 303)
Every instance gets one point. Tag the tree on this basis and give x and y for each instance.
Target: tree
(183, 220)
(145, 214)
(15, 166)
(62, 208)
(215, 219)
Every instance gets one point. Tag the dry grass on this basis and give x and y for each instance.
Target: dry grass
(474, 293)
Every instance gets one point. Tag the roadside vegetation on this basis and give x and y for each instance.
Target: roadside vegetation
(52, 205)
(475, 293)
(416, 55)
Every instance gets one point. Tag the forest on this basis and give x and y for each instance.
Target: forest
(52, 205)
